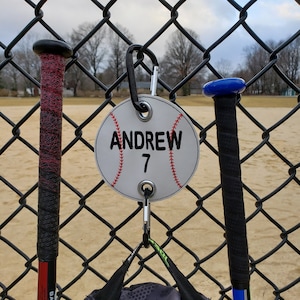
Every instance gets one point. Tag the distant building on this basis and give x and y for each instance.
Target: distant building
(289, 92)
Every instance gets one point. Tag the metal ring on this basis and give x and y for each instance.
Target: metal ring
(146, 184)
(147, 115)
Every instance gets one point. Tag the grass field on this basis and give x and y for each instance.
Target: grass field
(194, 100)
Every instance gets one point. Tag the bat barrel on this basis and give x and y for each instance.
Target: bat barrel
(52, 55)
(225, 94)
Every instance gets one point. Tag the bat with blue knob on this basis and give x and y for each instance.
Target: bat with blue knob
(225, 93)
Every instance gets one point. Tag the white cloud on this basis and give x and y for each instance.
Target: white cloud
(210, 19)
(274, 20)
(289, 10)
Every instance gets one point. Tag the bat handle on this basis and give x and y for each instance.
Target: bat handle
(52, 55)
(225, 94)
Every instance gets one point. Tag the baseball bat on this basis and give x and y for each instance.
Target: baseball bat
(225, 93)
(52, 56)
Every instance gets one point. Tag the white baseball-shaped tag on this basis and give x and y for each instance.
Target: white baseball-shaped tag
(159, 147)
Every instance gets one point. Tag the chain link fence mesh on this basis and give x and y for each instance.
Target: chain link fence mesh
(98, 229)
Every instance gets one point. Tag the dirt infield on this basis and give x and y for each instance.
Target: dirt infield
(193, 100)
(262, 173)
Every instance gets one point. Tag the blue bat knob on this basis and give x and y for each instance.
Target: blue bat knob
(226, 86)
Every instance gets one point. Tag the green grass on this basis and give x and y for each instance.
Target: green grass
(195, 100)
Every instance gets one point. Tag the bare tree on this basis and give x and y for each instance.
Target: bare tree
(224, 67)
(74, 77)
(289, 60)
(256, 58)
(118, 48)
(93, 51)
(9, 78)
(181, 57)
(29, 61)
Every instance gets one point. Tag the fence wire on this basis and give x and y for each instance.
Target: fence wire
(95, 237)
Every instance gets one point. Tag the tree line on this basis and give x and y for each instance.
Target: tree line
(103, 55)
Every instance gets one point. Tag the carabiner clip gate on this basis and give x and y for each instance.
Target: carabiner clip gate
(140, 107)
(147, 189)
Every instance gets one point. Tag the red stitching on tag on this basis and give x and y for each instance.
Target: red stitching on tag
(171, 154)
(121, 154)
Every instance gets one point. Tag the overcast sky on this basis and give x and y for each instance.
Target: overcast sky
(270, 19)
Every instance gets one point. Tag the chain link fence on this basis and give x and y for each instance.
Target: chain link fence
(98, 229)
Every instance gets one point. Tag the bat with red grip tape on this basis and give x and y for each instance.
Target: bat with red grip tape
(52, 55)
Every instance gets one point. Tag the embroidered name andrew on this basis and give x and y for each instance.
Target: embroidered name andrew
(159, 140)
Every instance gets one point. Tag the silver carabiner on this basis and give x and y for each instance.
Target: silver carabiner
(131, 76)
(147, 189)
(154, 80)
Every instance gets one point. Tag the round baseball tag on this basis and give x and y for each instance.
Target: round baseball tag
(157, 150)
